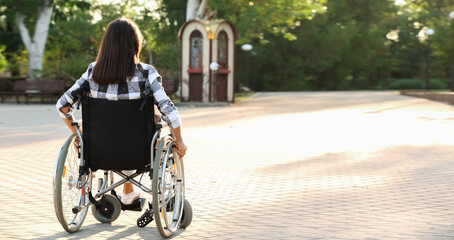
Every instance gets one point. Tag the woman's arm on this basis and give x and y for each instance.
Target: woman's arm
(65, 103)
(69, 119)
(181, 147)
(168, 110)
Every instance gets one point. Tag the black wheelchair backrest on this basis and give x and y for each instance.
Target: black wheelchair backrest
(117, 134)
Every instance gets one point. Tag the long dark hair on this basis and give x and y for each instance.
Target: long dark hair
(119, 52)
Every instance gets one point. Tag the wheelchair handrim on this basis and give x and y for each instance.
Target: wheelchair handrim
(75, 220)
(178, 194)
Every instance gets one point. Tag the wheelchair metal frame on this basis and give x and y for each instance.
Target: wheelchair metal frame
(103, 189)
(167, 188)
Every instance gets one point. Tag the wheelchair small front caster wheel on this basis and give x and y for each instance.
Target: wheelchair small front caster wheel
(186, 218)
(109, 209)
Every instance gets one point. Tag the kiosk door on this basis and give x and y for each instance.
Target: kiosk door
(223, 72)
(222, 88)
(196, 67)
(196, 87)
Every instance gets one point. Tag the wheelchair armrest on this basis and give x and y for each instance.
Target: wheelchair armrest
(77, 123)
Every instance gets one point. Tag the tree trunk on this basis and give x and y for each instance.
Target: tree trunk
(191, 9)
(35, 46)
(201, 11)
(196, 10)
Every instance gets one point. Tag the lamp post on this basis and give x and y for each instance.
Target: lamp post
(451, 15)
(429, 32)
(210, 26)
(246, 48)
(214, 83)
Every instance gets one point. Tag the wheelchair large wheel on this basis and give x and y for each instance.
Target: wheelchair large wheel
(168, 188)
(66, 195)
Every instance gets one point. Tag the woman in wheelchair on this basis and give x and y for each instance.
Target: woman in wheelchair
(110, 91)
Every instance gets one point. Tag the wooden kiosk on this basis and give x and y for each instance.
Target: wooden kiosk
(202, 43)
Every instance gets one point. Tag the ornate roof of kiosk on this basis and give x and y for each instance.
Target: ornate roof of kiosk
(210, 27)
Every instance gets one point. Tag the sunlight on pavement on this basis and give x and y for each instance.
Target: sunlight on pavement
(294, 165)
(319, 159)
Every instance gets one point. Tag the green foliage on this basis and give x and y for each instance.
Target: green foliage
(439, 84)
(416, 84)
(2, 59)
(162, 36)
(70, 47)
(419, 15)
(333, 51)
(255, 18)
(58, 39)
(17, 63)
(406, 83)
(298, 45)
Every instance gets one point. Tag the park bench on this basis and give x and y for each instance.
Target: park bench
(52, 89)
(47, 90)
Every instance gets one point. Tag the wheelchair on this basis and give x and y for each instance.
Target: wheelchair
(115, 136)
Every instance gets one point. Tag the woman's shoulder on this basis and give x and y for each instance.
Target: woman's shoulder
(92, 65)
(151, 71)
(148, 67)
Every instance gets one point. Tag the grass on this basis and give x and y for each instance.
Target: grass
(241, 96)
(175, 99)
(418, 83)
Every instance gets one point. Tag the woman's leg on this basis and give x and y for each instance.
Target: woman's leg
(128, 187)
(129, 194)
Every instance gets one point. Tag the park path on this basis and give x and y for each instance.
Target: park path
(306, 165)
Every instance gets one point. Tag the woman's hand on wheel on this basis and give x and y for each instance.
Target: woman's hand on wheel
(76, 144)
(181, 148)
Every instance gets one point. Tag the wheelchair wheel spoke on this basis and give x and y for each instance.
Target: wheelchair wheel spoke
(66, 194)
(169, 186)
(74, 218)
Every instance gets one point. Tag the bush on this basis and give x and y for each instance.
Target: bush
(399, 84)
(2, 59)
(438, 84)
(414, 84)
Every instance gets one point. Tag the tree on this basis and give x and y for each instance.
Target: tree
(365, 56)
(35, 16)
(298, 45)
(318, 45)
(162, 36)
(71, 45)
(253, 19)
(35, 44)
(409, 50)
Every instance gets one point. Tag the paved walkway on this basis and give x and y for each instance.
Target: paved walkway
(312, 165)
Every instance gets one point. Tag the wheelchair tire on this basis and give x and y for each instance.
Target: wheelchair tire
(186, 218)
(167, 188)
(109, 210)
(65, 193)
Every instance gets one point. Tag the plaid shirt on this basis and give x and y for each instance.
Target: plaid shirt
(130, 89)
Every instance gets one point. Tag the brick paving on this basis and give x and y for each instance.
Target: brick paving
(310, 165)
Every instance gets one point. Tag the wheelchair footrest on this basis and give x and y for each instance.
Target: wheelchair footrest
(137, 205)
(145, 219)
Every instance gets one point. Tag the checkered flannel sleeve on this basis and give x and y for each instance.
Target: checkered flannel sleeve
(165, 105)
(67, 99)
